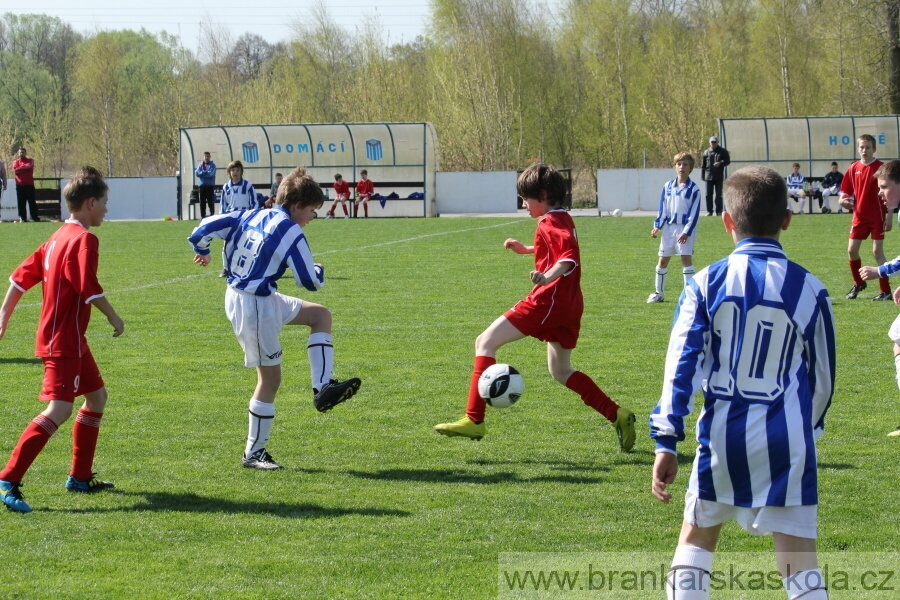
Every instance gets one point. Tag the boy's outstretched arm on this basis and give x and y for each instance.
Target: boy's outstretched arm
(13, 294)
(112, 316)
(518, 247)
(665, 467)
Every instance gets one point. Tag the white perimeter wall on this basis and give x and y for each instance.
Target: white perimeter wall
(637, 189)
(476, 192)
(129, 198)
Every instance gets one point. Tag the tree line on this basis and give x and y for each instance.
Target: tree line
(604, 84)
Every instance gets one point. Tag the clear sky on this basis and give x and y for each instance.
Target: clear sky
(401, 20)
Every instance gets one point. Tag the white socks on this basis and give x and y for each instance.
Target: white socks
(689, 577)
(808, 585)
(661, 280)
(897, 364)
(321, 359)
(261, 416)
(688, 273)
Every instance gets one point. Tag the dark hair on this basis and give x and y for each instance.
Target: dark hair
(756, 199)
(299, 188)
(540, 178)
(84, 184)
(889, 170)
(834, 164)
(338, 177)
(235, 163)
(363, 172)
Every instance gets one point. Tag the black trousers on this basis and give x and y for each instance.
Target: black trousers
(25, 194)
(714, 186)
(207, 195)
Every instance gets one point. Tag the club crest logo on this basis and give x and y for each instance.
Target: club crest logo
(374, 151)
(250, 151)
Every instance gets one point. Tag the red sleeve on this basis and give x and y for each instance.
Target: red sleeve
(30, 272)
(847, 181)
(561, 240)
(81, 268)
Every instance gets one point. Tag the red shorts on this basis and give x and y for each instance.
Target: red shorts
(535, 322)
(66, 378)
(861, 230)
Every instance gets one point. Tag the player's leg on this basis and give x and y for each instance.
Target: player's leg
(344, 207)
(85, 433)
(884, 283)
(855, 264)
(330, 213)
(559, 363)
(365, 204)
(471, 426)
(662, 270)
(261, 415)
(686, 252)
(799, 567)
(688, 578)
(327, 391)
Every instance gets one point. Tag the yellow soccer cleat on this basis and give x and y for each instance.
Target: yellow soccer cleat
(466, 428)
(625, 429)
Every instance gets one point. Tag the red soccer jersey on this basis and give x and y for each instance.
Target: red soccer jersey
(860, 183)
(67, 265)
(342, 188)
(24, 171)
(555, 240)
(365, 187)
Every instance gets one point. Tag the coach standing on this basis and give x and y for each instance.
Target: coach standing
(206, 173)
(712, 169)
(23, 167)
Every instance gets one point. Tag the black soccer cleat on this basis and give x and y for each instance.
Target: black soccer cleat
(855, 290)
(334, 392)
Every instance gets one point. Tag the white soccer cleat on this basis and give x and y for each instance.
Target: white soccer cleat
(655, 297)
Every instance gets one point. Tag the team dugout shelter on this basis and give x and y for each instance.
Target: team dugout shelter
(814, 142)
(401, 160)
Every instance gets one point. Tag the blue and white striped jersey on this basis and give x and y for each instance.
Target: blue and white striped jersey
(679, 206)
(755, 331)
(259, 246)
(795, 181)
(239, 196)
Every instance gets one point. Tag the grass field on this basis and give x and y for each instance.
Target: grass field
(372, 503)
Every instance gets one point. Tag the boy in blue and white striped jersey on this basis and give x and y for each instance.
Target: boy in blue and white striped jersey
(795, 190)
(756, 332)
(679, 211)
(260, 245)
(238, 193)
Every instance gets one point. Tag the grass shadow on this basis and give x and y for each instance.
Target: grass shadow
(458, 476)
(21, 361)
(172, 502)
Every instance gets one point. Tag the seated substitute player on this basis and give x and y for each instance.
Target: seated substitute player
(66, 265)
(364, 190)
(888, 177)
(859, 194)
(756, 332)
(795, 191)
(341, 194)
(831, 186)
(550, 313)
(259, 246)
(679, 212)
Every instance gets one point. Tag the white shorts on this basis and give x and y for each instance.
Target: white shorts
(257, 322)
(668, 242)
(799, 521)
(794, 192)
(894, 331)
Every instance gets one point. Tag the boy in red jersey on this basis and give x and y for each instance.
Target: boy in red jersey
(341, 194)
(364, 190)
(67, 265)
(551, 312)
(859, 193)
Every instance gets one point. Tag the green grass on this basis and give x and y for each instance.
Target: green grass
(372, 503)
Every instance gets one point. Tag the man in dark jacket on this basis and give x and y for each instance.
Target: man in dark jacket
(712, 169)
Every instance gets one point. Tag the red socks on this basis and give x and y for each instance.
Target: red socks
(31, 442)
(592, 395)
(855, 266)
(476, 405)
(84, 443)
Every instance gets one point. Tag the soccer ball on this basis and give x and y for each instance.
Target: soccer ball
(500, 385)
(617, 212)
